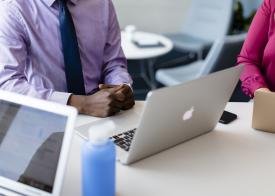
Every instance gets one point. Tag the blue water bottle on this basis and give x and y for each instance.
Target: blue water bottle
(98, 164)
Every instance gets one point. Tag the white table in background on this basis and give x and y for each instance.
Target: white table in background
(232, 160)
(132, 52)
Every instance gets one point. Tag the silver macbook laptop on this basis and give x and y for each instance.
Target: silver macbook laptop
(175, 114)
(35, 137)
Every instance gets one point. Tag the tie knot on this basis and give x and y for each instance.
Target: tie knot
(63, 4)
(63, 1)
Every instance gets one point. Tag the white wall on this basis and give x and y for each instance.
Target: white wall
(152, 15)
(160, 15)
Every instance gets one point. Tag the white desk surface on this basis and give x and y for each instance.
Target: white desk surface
(232, 160)
(132, 52)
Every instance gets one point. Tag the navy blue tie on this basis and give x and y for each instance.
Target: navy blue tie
(73, 67)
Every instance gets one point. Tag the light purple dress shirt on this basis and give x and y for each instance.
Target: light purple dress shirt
(31, 58)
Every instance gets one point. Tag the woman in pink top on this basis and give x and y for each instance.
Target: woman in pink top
(258, 52)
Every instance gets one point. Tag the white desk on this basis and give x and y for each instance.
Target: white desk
(132, 52)
(148, 55)
(232, 160)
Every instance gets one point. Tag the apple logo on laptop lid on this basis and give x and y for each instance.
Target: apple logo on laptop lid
(188, 114)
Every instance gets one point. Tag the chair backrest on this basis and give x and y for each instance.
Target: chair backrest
(223, 54)
(209, 19)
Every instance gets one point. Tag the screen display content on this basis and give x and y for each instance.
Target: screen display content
(30, 144)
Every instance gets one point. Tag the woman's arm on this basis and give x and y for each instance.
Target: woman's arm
(252, 52)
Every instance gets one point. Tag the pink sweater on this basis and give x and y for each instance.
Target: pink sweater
(258, 52)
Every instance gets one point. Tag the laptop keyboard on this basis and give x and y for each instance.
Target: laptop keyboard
(124, 140)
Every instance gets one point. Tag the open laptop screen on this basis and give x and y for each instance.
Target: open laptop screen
(30, 144)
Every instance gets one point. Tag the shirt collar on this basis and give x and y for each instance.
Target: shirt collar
(51, 2)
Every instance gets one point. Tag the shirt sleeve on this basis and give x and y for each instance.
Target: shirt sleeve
(115, 64)
(252, 52)
(14, 47)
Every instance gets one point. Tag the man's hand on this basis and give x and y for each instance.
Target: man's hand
(123, 94)
(106, 102)
(101, 104)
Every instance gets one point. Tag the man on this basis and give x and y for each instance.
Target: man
(67, 51)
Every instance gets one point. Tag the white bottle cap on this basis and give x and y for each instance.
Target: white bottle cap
(99, 134)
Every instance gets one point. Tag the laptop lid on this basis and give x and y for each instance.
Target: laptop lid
(34, 144)
(175, 114)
